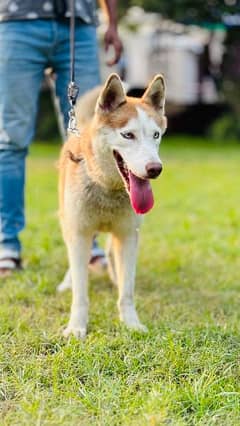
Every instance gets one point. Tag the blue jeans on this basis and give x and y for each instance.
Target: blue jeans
(27, 48)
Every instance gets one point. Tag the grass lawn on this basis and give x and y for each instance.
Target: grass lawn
(186, 370)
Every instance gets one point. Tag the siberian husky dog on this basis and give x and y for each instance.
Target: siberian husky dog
(105, 186)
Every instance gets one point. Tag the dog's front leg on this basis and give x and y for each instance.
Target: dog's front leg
(79, 254)
(125, 248)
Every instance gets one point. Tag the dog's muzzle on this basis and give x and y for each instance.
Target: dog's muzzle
(153, 170)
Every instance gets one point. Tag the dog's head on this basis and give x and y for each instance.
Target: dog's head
(133, 128)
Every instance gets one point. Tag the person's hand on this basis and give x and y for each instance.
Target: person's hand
(111, 38)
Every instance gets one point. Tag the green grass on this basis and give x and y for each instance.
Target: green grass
(186, 370)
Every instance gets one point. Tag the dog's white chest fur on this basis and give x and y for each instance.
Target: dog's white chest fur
(98, 208)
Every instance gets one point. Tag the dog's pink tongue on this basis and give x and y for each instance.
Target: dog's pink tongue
(141, 195)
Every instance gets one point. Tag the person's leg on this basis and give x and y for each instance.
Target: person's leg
(12, 178)
(21, 70)
(86, 77)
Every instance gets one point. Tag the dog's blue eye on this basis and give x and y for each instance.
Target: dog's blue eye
(156, 135)
(128, 135)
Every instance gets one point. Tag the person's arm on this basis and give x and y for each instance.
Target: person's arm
(111, 37)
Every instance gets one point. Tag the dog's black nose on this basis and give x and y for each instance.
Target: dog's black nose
(153, 170)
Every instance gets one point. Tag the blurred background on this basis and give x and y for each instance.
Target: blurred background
(195, 44)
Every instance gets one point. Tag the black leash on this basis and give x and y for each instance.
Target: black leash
(73, 89)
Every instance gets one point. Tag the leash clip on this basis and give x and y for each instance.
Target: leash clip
(72, 97)
(72, 92)
(72, 125)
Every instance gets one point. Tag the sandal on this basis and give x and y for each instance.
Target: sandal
(8, 265)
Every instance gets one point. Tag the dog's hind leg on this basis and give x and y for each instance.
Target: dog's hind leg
(111, 260)
(125, 248)
(66, 282)
(79, 253)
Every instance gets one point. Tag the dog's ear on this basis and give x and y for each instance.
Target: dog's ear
(112, 95)
(154, 95)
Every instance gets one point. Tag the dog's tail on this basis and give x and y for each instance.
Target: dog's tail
(85, 107)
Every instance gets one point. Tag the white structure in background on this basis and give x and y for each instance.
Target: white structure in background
(176, 57)
(152, 45)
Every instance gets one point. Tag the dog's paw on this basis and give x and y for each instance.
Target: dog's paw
(139, 327)
(64, 285)
(136, 325)
(129, 317)
(77, 325)
(79, 333)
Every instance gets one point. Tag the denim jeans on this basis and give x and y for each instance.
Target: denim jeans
(26, 49)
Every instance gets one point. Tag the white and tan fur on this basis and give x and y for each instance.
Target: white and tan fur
(93, 196)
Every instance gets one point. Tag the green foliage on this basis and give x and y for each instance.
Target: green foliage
(185, 371)
(186, 10)
(225, 128)
(230, 81)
